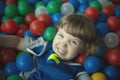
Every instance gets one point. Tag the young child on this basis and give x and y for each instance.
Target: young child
(75, 35)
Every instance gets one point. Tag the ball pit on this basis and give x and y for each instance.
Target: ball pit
(22, 17)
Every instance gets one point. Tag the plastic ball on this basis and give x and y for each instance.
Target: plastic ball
(22, 29)
(11, 11)
(11, 69)
(102, 29)
(32, 1)
(83, 2)
(27, 33)
(111, 40)
(40, 3)
(82, 8)
(4, 18)
(75, 4)
(114, 57)
(92, 13)
(98, 76)
(80, 58)
(100, 50)
(49, 33)
(29, 18)
(40, 10)
(56, 17)
(25, 63)
(46, 1)
(108, 10)
(102, 17)
(96, 4)
(45, 18)
(19, 19)
(67, 8)
(103, 2)
(53, 7)
(92, 64)
(111, 72)
(8, 55)
(117, 12)
(113, 22)
(2, 75)
(37, 27)
(14, 77)
(2, 7)
(8, 2)
(24, 8)
(10, 26)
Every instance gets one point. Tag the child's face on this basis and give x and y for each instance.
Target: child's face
(66, 45)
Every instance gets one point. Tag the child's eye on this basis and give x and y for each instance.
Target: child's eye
(60, 35)
(74, 42)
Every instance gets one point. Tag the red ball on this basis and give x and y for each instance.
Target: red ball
(116, 1)
(7, 55)
(108, 10)
(113, 22)
(22, 29)
(80, 58)
(8, 2)
(10, 26)
(114, 57)
(92, 13)
(45, 18)
(29, 18)
(37, 27)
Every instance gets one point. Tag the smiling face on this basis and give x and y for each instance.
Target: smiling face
(67, 46)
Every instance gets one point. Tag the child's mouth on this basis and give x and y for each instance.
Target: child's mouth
(61, 51)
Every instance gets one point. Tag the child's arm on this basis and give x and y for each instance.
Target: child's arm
(12, 42)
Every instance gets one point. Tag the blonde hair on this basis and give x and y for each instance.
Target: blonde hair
(82, 27)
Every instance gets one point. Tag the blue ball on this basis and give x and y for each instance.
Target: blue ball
(92, 64)
(102, 17)
(2, 7)
(27, 33)
(32, 1)
(11, 69)
(100, 50)
(102, 29)
(75, 3)
(56, 17)
(25, 63)
(111, 72)
(117, 12)
(83, 2)
(46, 1)
(82, 8)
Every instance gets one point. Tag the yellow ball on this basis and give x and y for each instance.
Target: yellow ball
(98, 76)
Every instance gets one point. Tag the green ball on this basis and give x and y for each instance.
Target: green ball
(96, 4)
(24, 8)
(11, 11)
(40, 3)
(14, 77)
(49, 33)
(53, 7)
(4, 18)
(19, 19)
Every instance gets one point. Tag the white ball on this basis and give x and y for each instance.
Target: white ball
(111, 40)
(67, 8)
(40, 10)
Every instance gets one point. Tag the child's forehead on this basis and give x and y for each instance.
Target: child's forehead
(63, 31)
